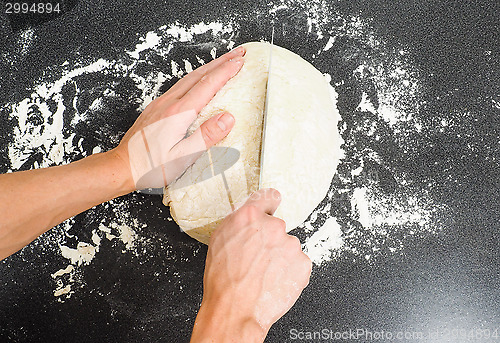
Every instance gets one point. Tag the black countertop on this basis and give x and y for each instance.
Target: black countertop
(419, 94)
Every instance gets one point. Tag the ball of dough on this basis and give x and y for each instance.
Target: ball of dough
(302, 145)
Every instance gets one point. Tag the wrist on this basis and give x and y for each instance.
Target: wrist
(219, 323)
(118, 170)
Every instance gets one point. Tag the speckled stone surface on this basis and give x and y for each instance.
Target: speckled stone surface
(435, 283)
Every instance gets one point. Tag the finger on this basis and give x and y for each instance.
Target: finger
(187, 82)
(216, 128)
(149, 148)
(203, 91)
(188, 150)
(268, 199)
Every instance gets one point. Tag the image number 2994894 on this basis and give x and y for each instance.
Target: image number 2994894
(28, 13)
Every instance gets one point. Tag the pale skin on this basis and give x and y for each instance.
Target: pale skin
(250, 255)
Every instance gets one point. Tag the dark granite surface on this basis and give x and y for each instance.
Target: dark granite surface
(438, 282)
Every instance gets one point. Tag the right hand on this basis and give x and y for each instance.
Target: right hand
(254, 273)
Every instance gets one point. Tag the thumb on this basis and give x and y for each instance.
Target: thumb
(188, 150)
(216, 128)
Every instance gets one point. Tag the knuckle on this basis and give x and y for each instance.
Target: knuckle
(294, 243)
(174, 108)
(270, 195)
(199, 72)
(276, 231)
(207, 79)
(281, 224)
(307, 263)
(256, 196)
(250, 213)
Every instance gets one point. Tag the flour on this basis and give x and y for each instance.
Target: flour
(327, 239)
(83, 254)
(376, 221)
(360, 206)
(40, 116)
(366, 105)
(26, 40)
(188, 34)
(150, 41)
(329, 44)
(64, 279)
(40, 122)
(379, 222)
(61, 272)
(62, 291)
(19, 46)
(120, 231)
(126, 234)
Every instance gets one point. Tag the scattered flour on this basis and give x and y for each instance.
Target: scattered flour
(83, 254)
(365, 104)
(188, 34)
(41, 115)
(61, 272)
(26, 40)
(64, 278)
(377, 221)
(360, 205)
(150, 41)
(121, 232)
(40, 130)
(327, 239)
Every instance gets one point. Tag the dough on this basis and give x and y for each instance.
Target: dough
(301, 153)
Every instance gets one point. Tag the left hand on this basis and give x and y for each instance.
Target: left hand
(155, 150)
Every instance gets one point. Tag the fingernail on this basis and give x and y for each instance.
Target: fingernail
(238, 51)
(225, 121)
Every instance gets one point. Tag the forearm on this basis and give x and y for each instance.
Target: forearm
(36, 200)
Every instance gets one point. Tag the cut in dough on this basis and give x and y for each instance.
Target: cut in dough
(302, 146)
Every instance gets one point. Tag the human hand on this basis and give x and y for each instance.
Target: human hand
(254, 273)
(155, 150)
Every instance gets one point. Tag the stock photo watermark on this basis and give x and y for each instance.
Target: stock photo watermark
(24, 15)
(370, 335)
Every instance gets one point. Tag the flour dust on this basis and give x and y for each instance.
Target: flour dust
(52, 124)
(372, 206)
